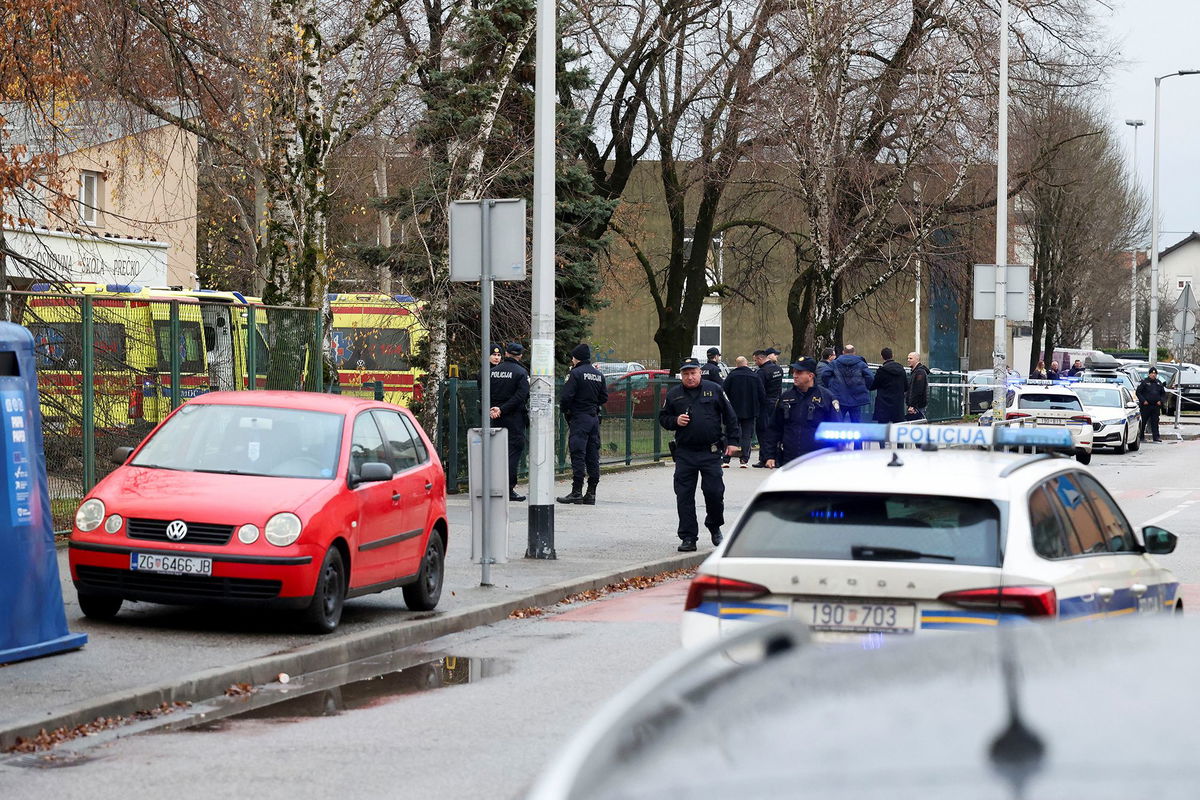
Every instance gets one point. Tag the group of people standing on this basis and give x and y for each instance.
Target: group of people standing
(713, 417)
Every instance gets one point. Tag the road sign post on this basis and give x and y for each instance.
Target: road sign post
(487, 243)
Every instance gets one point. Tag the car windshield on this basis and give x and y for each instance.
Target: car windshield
(928, 529)
(1110, 398)
(1049, 402)
(246, 440)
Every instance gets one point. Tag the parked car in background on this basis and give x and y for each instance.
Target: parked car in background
(1188, 384)
(1047, 403)
(642, 384)
(615, 369)
(1114, 413)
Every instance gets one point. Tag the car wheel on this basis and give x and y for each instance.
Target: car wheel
(423, 595)
(1083, 457)
(1124, 438)
(1136, 444)
(325, 611)
(99, 606)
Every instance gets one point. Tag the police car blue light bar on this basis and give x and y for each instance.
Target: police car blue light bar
(835, 433)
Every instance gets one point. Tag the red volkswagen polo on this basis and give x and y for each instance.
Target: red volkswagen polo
(284, 499)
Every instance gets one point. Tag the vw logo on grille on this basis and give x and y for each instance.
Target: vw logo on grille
(176, 530)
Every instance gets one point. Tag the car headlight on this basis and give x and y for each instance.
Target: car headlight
(90, 515)
(248, 534)
(1112, 421)
(283, 529)
(113, 523)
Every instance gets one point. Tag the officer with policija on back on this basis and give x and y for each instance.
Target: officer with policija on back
(711, 371)
(706, 428)
(582, 396)
(510, 406)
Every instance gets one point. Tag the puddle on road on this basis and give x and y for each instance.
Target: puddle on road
(367, 692)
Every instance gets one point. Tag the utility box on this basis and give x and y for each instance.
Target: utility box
(33, 621)
(496, 497)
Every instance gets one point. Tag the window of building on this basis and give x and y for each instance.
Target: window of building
(90, 194)
(1182, 282)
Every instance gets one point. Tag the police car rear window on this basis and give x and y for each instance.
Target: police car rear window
(926, 529)
(1049, 402)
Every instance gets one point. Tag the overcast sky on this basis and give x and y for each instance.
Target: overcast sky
(1157, 37)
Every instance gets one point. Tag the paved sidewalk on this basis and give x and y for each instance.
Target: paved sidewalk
(150, 654)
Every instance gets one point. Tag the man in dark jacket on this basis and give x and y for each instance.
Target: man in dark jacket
(705, 430)
(748, 398)
(711, 371)
(825, 367)
(851, 383)
(801, 409)
(771, 375)
(510, 408)
(918, 387)
(890, 383)
(582, 396)
(1150, 395)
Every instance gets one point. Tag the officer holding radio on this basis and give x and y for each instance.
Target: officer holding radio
(706, 428)
(793, 427)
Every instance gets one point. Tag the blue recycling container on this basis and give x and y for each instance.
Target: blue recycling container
(33, 621)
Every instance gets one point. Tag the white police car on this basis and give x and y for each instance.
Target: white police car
(1048, 403)
(1114, 413)
(906, 541)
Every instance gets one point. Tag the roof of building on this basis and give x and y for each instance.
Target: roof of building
(81, 125)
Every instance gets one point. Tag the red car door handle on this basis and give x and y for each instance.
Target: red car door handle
(395, 497)
(428, 485)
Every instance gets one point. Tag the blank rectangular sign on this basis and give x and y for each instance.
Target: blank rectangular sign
(507, 240)
(1017, 288)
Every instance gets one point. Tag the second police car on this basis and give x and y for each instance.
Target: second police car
(907, 541)
(1114, 413)
(1045, 403)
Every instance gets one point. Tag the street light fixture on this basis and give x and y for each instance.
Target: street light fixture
(1135, 124)
(1152, 345)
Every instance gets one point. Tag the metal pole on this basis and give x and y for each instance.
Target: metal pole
(1152, 344)
(485, 390)
(1135, 124)
(175, 367)
(88, 389)
(540, 542)
(251, 348)
(917, 290)
(1000, 331)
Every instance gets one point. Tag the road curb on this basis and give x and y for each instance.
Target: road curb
(212, 683)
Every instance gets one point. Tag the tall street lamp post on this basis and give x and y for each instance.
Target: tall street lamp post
(1135, 124)
(1000, 331)
(1152, 345)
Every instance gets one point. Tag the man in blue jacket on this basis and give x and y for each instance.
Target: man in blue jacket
(850, 383)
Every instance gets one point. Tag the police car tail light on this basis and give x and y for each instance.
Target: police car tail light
(710, 588)
(1016, 415)
(1031, 601)
(1084, 418)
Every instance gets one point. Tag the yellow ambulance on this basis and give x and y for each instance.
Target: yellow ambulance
(374, 338)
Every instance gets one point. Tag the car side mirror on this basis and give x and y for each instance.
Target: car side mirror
(1131, 404)
(1159, 541)
(372, 472)
(120, 455)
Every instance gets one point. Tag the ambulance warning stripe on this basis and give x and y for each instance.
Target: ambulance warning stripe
(42, 302)
(386, 311)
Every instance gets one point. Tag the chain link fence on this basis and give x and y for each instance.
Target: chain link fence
(112, 366)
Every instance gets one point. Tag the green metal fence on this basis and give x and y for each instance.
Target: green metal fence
(111, 366)
(629, 429)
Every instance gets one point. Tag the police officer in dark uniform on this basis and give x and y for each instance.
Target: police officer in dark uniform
(711, 371)
(510, 408)
(706, 428)
(582, 396)
(801, 409)
(1150, 394)
(771, 375)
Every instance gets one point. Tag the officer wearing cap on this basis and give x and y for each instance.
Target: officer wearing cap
(582, 396)
(711, 371)
(706, 428)
(510, 407)
(771, 375)
(801, 409)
